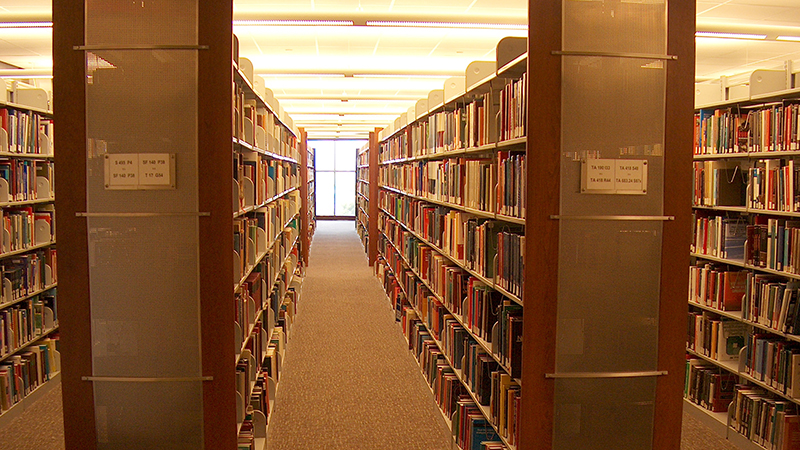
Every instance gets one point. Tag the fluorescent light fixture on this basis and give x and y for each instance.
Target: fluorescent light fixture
(397, 75)
(301, 75)
(788, 38)
(310, 23)
(715, 34)
(484, 26)
(26, 24)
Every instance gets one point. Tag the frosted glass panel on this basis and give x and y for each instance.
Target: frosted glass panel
(604, 414)
(612, 108)
(609, 280)
(615, 26)
(142, 102)
(144, 22)
(148, 416)
(143, 244)
(144, 288)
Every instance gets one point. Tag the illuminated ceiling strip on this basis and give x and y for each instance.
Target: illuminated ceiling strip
(301, 75)
(323, 23)
(788, 38)
(399, 75)
(715, 34)
(26, 24)
(484, 26)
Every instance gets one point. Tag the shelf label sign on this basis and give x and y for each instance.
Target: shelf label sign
(614, 176)
(140, 171)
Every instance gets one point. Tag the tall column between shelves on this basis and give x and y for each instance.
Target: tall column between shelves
(70, 111)
(305, 225)
(147, 312)
(605, 273)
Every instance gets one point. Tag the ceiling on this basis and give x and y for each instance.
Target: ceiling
(351, 79)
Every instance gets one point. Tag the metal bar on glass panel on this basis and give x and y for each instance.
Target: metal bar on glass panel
(617, 55)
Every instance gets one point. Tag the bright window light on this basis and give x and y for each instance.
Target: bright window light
(714, 34)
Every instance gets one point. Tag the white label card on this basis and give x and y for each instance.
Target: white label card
(135, 171)
(614, 176)
(123, 170)
(600, 174)
(154, 169)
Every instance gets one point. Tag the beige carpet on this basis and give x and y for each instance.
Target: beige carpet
(349, 383)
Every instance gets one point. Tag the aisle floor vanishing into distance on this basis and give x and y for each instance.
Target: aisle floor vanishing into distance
(349, 382)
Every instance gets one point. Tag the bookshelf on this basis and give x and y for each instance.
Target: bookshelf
(496, 169)
(309, 197)
(29, 331)
(183, 283)
(437, 178)
(743, 277)
(362, 195)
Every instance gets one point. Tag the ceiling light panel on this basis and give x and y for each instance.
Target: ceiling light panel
(414, 9)
(771, 12)
(718, 57)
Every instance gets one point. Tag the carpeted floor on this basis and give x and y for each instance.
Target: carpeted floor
(348, 383)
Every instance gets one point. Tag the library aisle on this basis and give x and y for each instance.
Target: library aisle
(349, 380)
(348, 383)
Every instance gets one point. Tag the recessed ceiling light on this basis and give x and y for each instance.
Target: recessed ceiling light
(715, 34)
(788, 38)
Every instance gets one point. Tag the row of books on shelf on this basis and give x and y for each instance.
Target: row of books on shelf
(489, 247)
(497, 115)
(466, 126)
(708, 386)
(717, 337)
(363, 188)
(450, 389)
(255, 234)
(446, 297)
(760, 416)
(362, 156)
(763, 299)
(768, 128)
(260, 179)
(27, 320)
(25, 274)
(24, 227)
(259, 365)
(26, 132)
(451, 384)
(514, 109)
(767, 358)
(27, 370)
(257, 298)
(771, 185)
(484, 184)
(259, 127)
(25, 180)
